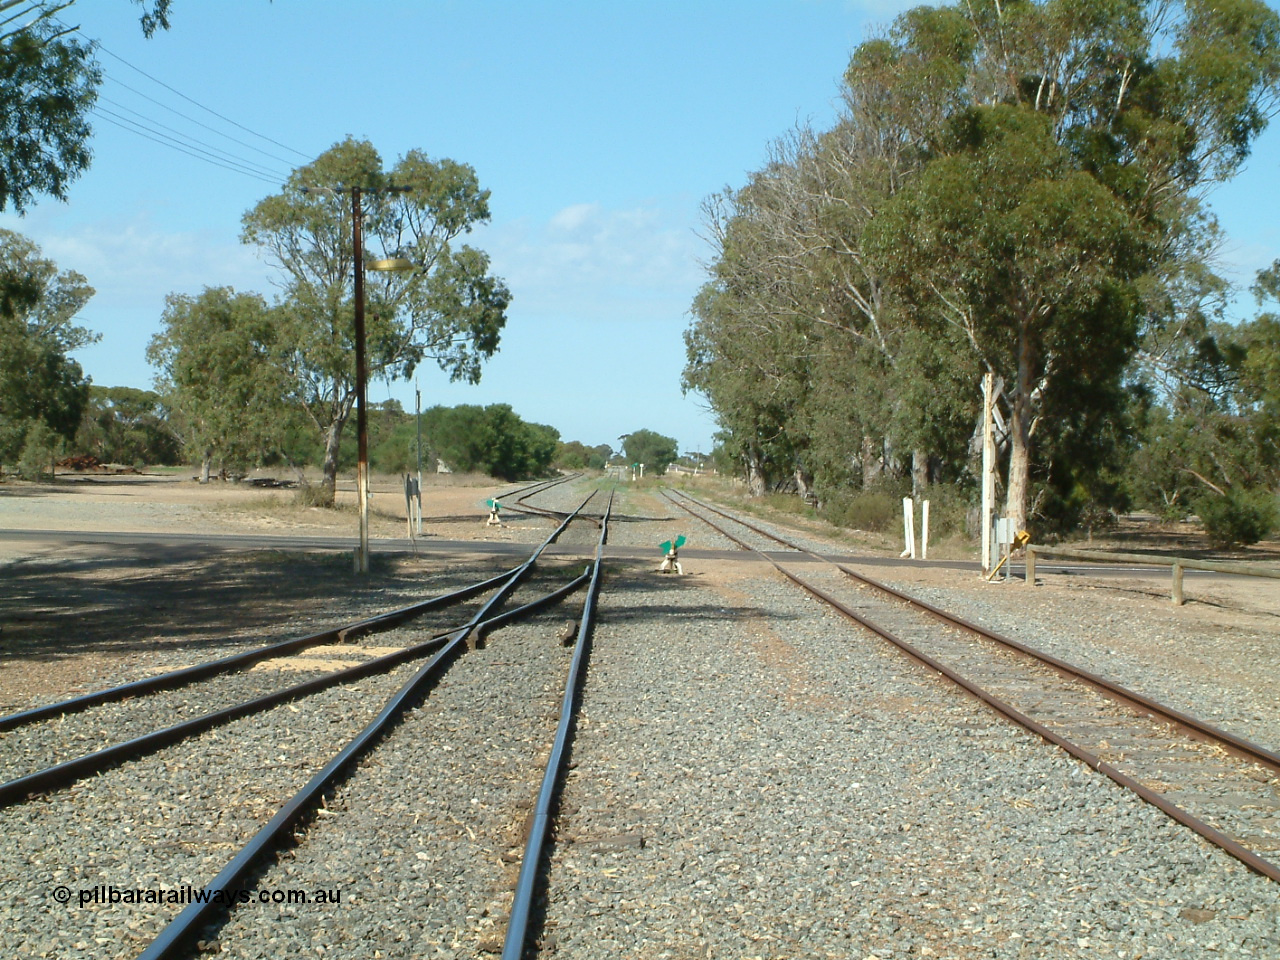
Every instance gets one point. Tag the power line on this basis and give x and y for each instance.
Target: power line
(187, 140)
(126, 124)
(198, 123)
(284, 146)
(146, 127)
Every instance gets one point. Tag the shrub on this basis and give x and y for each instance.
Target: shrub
(948, 509)
(875, 511)
(313, 495)
(1241, 517)
(37, 451)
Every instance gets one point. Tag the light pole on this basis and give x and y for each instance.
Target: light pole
(362, 370)
(417, 416)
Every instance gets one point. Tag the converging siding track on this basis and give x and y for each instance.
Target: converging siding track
(182, 751)
(638, 765)
(1214, 782)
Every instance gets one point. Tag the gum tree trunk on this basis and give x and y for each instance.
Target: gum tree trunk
(1019, 477)
(332, 441)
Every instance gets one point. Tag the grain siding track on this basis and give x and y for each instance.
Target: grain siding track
(425, 838)
(71, 736)
(749, 779)
(163, 821)
(753, 779)
(1223, 787)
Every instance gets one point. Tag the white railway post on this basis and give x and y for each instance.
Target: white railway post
(909, 526)
(924, 530)
(988, 469)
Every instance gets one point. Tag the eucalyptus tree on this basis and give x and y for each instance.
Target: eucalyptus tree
(48, 85)
(795, 298)
(39, 382)
(449, 308)
(1064, 190)
(655, 451)
(745, 349)
(226, 397)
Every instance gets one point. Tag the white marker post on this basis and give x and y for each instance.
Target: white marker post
(909, 526)
(988, 469)
(924, 530)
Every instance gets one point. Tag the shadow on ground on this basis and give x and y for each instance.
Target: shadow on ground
(133, 601)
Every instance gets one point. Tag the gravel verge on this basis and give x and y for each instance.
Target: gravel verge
(755, 779)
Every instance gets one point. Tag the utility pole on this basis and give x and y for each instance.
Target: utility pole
(417, 415)
(362, 374)
(362, 366)
(988, 468)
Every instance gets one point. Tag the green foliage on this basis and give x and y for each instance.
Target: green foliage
(492, 440)
(1028, 207)
(576, 455)
(219, 376)
(874, 510)
(48, 84)
(449, 309)
(652, 449)
(1241, 517)
(949, 506)
(127, 425)
(37, 451)
(38, 381)
(1217, 429)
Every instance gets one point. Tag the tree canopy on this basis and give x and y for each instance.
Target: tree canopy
(1012, 187)
(39, 382)
(491, 439)
(448, 308)
(48, 84)
(218, 375)
(652, 449)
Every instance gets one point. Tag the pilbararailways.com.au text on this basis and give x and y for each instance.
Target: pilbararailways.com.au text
(186, 894)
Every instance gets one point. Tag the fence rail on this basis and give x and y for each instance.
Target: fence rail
(1179, 564)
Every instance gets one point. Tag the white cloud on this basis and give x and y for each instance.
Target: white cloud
(135, 264)
(573, 218)
(590, 262)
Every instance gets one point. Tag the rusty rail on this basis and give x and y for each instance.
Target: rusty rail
(1234, 744)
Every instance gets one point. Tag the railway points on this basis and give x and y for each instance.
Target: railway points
(746, 775)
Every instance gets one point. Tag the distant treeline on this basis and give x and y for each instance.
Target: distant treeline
(132, 427)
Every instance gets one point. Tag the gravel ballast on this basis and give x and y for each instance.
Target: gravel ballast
(802, 792)
(752, 777)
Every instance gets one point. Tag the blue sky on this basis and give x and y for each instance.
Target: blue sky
(599, 127)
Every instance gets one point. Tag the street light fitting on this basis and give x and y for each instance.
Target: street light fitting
(392, 264)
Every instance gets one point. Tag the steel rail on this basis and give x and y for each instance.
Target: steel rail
(1246, 856)
(1198, 729)
(68, 772)
(202, 671)
(525, 506)
(539, 827)
(519, 494)
(177, 935)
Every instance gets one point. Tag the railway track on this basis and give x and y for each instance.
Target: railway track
(1221, 785)
(747, 779)
(65, 785)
